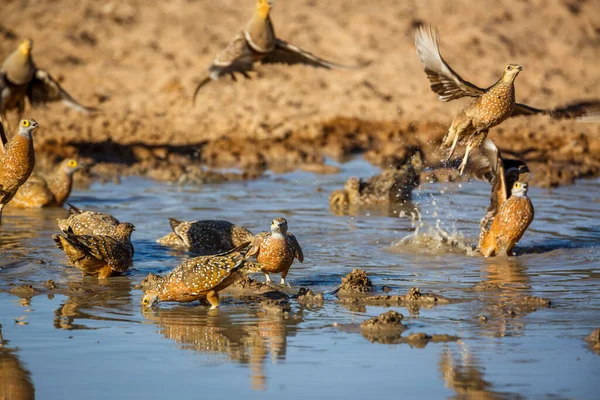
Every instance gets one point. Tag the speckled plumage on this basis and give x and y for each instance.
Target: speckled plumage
(491, 106)
(206, 236)
(42, 190)
(275, 251)
(20, 78)
(510, 223)
(101, 256)
(17, 162)
(257, 42)
(88, 222)
(199, 278)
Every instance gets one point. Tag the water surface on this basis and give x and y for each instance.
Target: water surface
(97, 343)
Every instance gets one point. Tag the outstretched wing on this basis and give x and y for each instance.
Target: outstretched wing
(287, 53)
(296, 247)
(236, 57)
(43, 88)
(587, 111)
(446, 83)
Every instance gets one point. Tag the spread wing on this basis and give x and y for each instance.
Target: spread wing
(236, 57)
(256, 244)
(287, 53)
(586, 111)
(43, 88)
(296, 246)
(446, 83)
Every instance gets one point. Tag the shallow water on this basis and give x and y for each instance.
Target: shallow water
(96, 343)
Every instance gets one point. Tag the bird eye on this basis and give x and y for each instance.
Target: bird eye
(72, 163)
(25, 123)
(517, 185)
(145, 301)
(509, 68)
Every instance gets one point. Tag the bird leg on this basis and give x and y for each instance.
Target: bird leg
(470, 147)
(1, 208)
(451, 152)
(267, 277)
(213, 299)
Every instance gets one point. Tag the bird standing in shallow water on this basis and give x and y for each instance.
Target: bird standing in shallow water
(275, 251)
(20, 79)
(257, 42)
(17, 162)
(200, 278)
(101, 256)
(47, 190)
(491, 106)
(207, 236)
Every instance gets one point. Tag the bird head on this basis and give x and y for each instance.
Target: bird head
(25, 46)
(26, 127)
(124, 230)
(519, 189)
(511, 71)
(263, 7)
(279, 226)
(70, 166)
(150, 299)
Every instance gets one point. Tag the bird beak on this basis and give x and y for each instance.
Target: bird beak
(519, 68)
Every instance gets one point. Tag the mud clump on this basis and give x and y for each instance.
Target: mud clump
(246, 287)
(25, 291)
(420, 340)
(523, 305)
(415, 295)
(356, 282)
(594, 340)
(391, 320)
(307, 297)
(278, 308)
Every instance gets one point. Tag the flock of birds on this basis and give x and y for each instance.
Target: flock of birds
(99, 245)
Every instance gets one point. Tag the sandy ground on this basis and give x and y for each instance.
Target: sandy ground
(139, 62)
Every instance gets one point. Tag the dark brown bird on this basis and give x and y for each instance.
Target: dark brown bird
(207, 236)
(257, 42)
(510, 211)
(46, 190)
(275, 251)
(491, 106)
(200, 278)
(20, 79)
(88, 222)
(16, 162)
(101, 256)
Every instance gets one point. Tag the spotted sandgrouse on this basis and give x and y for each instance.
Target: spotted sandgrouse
(206, 236)
(16, 162)
(47, 190)
(88, 222)
(491, 106)
(275, 251)
(101, 256)
(20, 79)
(257, 42)
(200, 278)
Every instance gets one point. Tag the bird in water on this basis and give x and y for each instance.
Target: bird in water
(491, 106)
(510, 211)
(275, 251)
(200, 278)
(257, 42)
(101, 256)
(17, 160)
(88, 222)
(46, 190)
(206, 236)
(20, 78)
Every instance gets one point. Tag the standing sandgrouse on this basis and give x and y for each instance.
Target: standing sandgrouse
(491, 106)
(206, 236)
(47, 190)
(257, 42)
(200, 278)
(511, 211)
(16, 162)
(275, 251)
(101, 256)
(20, 78)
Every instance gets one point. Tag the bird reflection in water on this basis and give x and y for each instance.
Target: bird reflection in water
(221, 335)
(15, 380)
